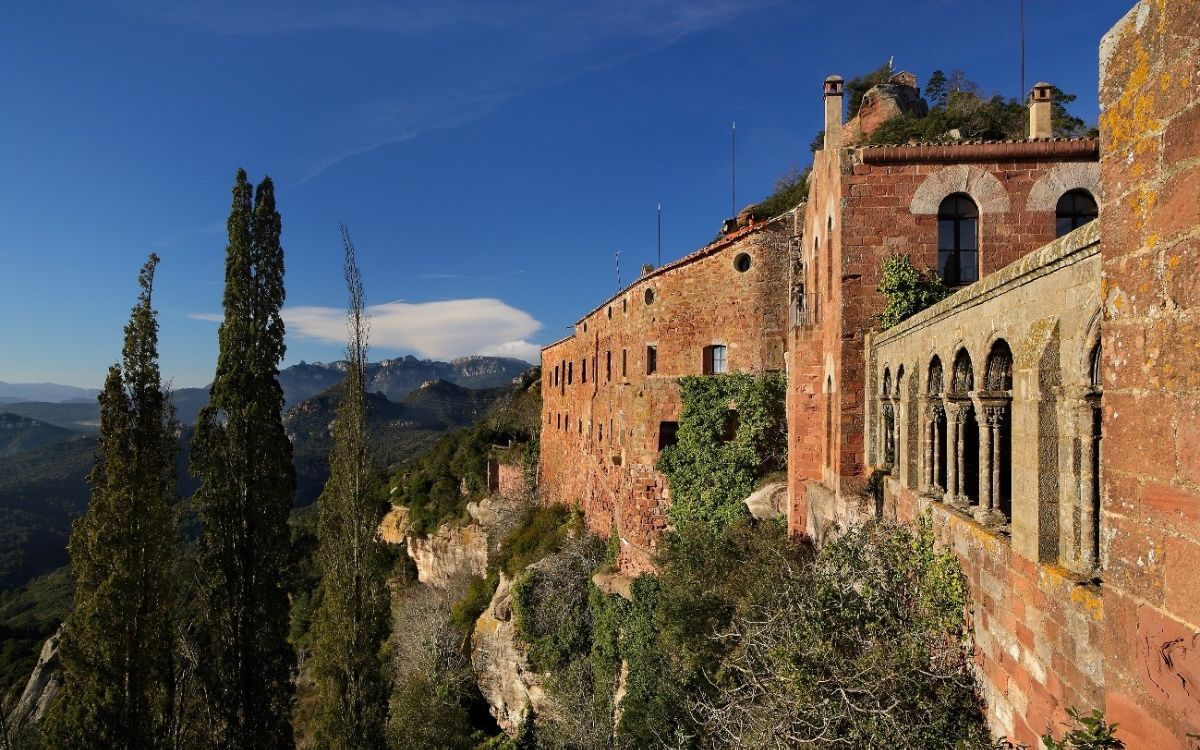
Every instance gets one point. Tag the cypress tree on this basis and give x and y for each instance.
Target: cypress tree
(116, 648)
(351, 624)
(243, 459)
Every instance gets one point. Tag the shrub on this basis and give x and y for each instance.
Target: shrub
(908, 290)
(467, 610)
(790, 190)
(1090, 733)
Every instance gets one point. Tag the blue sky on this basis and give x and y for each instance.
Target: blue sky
(489, 157)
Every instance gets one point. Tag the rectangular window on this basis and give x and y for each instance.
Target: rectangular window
(583, 370)
(570, 372)
(714, 359)
(608, 366)
(651, 360)
(667, 434)
(556, 375)
(624, 364)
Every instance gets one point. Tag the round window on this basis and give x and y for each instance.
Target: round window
(742, 262)
(649, 296)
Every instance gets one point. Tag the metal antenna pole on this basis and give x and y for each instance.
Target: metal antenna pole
(733, 171)
(1024, 93)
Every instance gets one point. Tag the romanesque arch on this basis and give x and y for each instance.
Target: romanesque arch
(1059, 179)
(983, 187)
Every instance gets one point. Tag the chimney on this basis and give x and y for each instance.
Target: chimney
(833, 112)
(1039, 112)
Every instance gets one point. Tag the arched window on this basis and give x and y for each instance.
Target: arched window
(1075, 208)
(1089, 489)
(998, 373)
(996, 477)
(935, 431)
(935, 386)
(958, 240)
(964, 434)
(963, 381)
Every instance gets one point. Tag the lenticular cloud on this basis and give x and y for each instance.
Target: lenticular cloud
(439, 330)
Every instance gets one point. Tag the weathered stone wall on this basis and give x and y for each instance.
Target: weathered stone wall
(1037, 617)
(1150, 155)
(602, 412)
(510, 479)
(864, 205)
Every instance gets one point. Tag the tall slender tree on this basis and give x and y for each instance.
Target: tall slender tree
(243, 459)
(351, 624)
(116, 647)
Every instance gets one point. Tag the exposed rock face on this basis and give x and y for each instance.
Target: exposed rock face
(44, 683)
(394, 527)
(899, 96)
(769, 501)
(450, 553)
(614, 583)
(454, 550)
(507, 682)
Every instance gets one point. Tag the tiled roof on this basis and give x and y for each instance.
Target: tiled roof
(951, 151)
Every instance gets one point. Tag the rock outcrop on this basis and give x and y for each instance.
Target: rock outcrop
(899, 96)
(502, 670)
(44, 683)
(394, 527)
(768, 501)
(449, 554)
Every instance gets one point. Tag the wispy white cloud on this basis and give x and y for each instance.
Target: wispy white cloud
(640, 17)
(442, 329)
(526, 350)
(466, 277)
(209, 317)
(529, 45)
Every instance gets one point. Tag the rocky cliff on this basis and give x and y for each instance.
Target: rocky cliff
(507, 682)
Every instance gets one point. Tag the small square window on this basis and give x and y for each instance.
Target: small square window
(651, 360)
(667, 434)
(715, 359)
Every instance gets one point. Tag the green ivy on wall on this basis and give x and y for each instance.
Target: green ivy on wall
(732, 430)
(908, 290)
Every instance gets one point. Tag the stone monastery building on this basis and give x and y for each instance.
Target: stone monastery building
(1047, 414)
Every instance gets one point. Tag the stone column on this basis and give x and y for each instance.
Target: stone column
(1085, 414)
(956, 416)
(889, 434)
(988, 512)
(899, 467)
(938, 412)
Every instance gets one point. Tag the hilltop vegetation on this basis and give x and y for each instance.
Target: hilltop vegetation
(437, 486)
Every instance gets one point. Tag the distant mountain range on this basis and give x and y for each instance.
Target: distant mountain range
(12, 392)
(44, 463)
(19, 434)
(77, 409)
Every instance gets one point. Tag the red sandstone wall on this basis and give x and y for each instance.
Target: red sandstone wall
(1150, 150)
(599, 438)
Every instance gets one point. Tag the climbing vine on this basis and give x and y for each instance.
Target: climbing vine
(732, 430)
